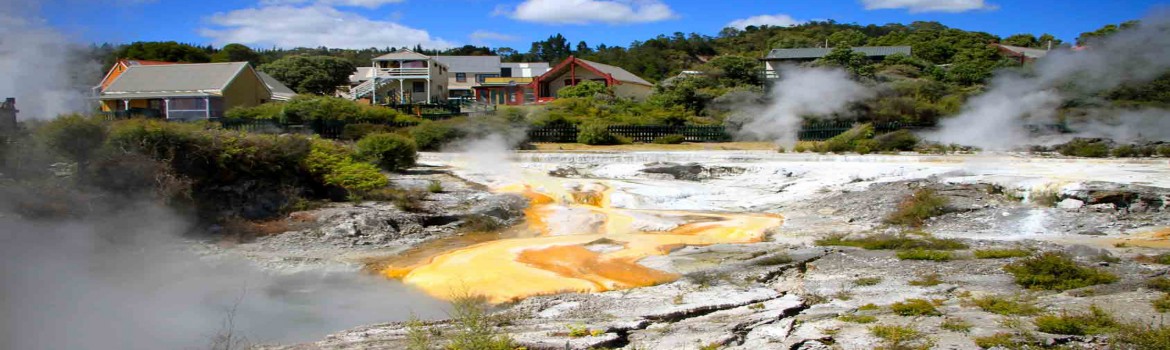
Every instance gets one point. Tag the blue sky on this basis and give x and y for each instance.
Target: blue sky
(516, 23)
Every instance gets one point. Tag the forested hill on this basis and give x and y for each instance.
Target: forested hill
(659, 57)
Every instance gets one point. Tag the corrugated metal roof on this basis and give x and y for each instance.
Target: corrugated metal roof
(814, 53)
(280, 92)
(402, 55)
(470, 64)
(617, 73)
(178, 79)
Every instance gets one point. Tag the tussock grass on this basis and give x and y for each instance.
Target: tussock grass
(862, 319)
(1006, 306)
(474, 327)
(1006, 341)
(927, 280)
(1163, 259)
(915, 209)
(956, 324)
(1142, 336)
(867, 281)
(1055, 271)
(1159, 284)
(915, 307)
(893, 242)
(1002, 253)
(900, 338)
(773, 260)
(1095, 321)
(924, 254)
(1162, 304)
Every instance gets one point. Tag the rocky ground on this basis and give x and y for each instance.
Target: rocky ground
(788, 292)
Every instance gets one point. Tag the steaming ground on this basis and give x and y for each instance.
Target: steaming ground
(128, 283)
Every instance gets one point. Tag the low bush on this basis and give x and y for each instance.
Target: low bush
(1164, 150)
(1142, 336)
(901, 140)
(1096, 321)
(914, 307)
(1005, 306)
(1159, 284)
(927, 280)
(1090, 148)
(900, 337)
(893, 242)
(597, 135)
(1055, 271)
(670, 140)
(357, 131)
(357, 178)
(1162, 304)
(268, 111)
(773, 260)
(924, 254)
(75, 137)
(1163, 259)
(956, 324)
(431, 136)
(867, 281)
(915, 209)
(1006, 341)
(474, 327)
(1002, 253)
(847, 141)
(390, 152)
(863, 319)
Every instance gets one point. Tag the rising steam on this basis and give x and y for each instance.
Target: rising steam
(1018, 102)
(42, 69)
(800, 92)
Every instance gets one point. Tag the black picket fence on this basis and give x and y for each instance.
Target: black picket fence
(819, 131)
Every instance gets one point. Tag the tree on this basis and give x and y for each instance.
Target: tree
(311, 74)
(1024, 40)
(844, 57)
(236, 53)
(168, 51)
(847, 38)
(1107, 30)
(583, 89)
(583, 49)
(734, 70)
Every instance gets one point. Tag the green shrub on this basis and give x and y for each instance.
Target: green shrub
(1055, 271)
(1162, 304)
(915, 307)
(584, 89)
(598, 134)
(1006, 341)
(867, 281)
(927, 280)
(1142, 336)
(863, 319)
(357, 131)
(357, 177)
(1164, 150)
(901, 140)
(900, 337)
(1159, 284)
(956, 324)
(391, 152)
(865, 146)
(268, 111)
(431, 136)
(893, 242)
(915, 209)
(670, 140)
(307, 108)
(1126, 151)
(1096, 321)
(474, 327)
(1005, 306)
(1091, 148)
(847, 141)
(924, 254)
(1002, 253)
(74, 136)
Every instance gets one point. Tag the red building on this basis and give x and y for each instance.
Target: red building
(570, 72)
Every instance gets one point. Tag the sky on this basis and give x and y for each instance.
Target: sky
(516, 23)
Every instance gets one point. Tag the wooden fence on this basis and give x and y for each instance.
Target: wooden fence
(819, 131)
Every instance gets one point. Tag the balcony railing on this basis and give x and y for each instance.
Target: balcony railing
(403, 72)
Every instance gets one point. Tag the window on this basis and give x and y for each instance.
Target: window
(420, 86)
(506, 72)
(481, 77)
(461, 77)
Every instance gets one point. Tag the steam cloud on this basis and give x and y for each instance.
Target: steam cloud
(800, 92)
(126, 283)
(42, 69)
(999, 118)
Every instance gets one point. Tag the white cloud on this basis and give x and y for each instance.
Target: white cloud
(352, 3)
(916, 6)
(779, 20)
(592, 11)
(313, 26)
(481, 37)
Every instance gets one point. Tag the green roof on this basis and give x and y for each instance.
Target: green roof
(816, 52)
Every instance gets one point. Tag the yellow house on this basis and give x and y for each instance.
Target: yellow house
(185, 91)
